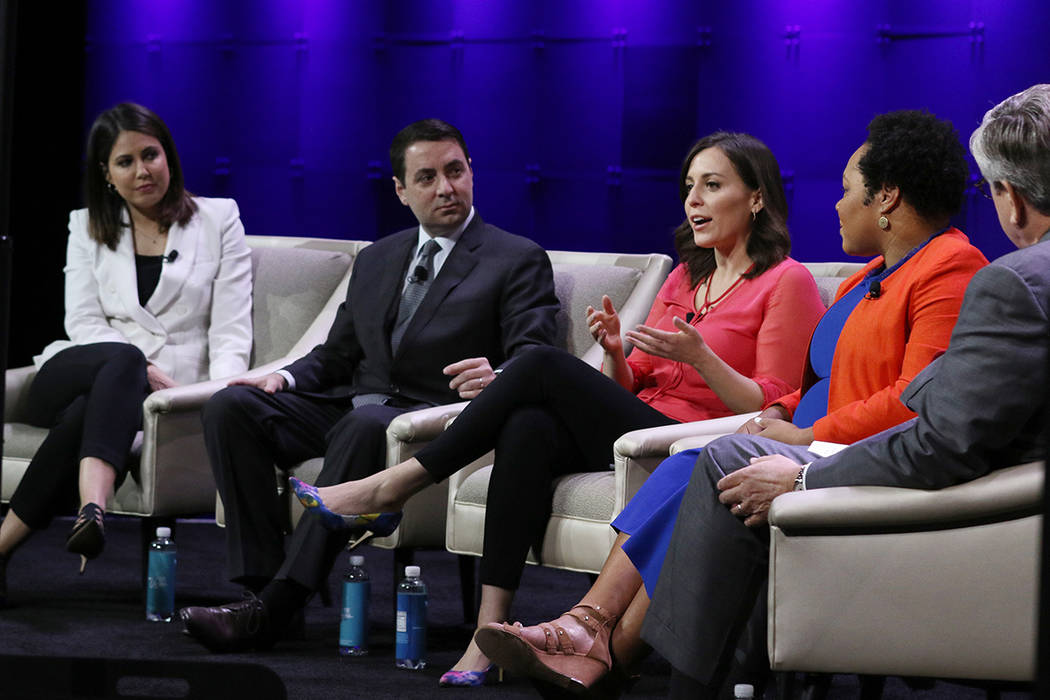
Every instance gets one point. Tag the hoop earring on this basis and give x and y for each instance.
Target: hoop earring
(884, 223)
(754, 216)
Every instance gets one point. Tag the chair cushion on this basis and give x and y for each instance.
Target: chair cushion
(583, 496)
(22, 440)
(827, 286)
(580, 286)
(290, 287)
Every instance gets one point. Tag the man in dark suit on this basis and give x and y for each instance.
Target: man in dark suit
(980, 407)
(430, 312)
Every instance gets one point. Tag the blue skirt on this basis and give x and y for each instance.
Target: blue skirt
(650, 516)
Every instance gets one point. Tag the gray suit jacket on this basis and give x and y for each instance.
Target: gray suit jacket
(982, 404)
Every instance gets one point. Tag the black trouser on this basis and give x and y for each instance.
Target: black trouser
(247, 433)
(546, 415)
(90, 397)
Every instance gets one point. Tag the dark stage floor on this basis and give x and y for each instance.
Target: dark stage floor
(56, 614)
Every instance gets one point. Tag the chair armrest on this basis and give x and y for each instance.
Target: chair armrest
(425, 424)
(1000, 495)
(16, 389)
(174, 470)
(423, 524)
(190, 397)
(651, 442)
(637, 453)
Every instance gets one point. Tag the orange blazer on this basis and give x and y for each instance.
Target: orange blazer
(885, 342)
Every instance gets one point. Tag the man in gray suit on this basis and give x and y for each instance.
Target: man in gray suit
(980, 407)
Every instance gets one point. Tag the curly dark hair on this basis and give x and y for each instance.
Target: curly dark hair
(104, 208)
(919, 154)
(769, 242)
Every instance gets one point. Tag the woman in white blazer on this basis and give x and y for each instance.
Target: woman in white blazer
(158, 293)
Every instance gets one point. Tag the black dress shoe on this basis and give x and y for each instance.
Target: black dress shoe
(236, 626)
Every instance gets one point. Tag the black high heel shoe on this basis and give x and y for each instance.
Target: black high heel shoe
(88, 536)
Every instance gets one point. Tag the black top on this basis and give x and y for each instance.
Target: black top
(147, 268)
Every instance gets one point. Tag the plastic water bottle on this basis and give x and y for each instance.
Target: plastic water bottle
(353, 623)
(410, 641)
(160, 592)
(743, 691)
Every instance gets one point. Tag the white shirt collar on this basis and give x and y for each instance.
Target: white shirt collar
(446, 242)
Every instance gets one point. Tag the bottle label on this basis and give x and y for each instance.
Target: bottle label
(353, 623)
(410, 640)
(160, 592)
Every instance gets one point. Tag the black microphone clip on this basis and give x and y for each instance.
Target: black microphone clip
(170, 257)
(420, 274)
(874, 290)
(689, 317)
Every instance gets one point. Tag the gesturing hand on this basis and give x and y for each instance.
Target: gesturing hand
(270, 383)
(605, 326)
(750, 491)
(470, 376)
(684, 345)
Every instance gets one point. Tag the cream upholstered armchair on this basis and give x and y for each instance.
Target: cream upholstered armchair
(578, 536)
(297, 285)
(892, 581)
(580, 279)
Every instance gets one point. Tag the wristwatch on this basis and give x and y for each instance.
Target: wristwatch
(800, 479)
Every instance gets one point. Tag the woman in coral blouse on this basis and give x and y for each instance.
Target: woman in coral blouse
(889, 320)
(726, 334)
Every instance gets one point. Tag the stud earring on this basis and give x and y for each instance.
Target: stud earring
(884, 223)
(112, 189)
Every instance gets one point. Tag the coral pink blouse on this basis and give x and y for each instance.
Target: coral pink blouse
(761, 330)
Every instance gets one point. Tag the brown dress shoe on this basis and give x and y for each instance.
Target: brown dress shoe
(236, 626)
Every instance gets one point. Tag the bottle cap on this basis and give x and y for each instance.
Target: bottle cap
(411, 572)
(163, 532)
(357, 560)
(743, 690)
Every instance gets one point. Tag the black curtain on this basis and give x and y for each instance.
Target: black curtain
(43, 98)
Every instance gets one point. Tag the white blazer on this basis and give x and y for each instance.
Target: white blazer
(197, 324)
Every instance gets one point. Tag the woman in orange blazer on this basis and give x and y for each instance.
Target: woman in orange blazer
(899, 326)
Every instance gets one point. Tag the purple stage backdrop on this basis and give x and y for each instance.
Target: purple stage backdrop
(577, 112)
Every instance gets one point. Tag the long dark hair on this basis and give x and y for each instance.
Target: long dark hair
(769, 242)
(104, 207)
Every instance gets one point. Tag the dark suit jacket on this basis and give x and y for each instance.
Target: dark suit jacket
(982, 404)
(494, 297)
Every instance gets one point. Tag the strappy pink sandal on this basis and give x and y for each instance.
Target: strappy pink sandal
(557, 663)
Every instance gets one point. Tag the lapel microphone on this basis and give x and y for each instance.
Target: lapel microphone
(420, 274)
(689, 317)
(170, 257)
(874, 290)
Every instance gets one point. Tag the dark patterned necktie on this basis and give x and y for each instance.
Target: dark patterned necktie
(418, 284)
